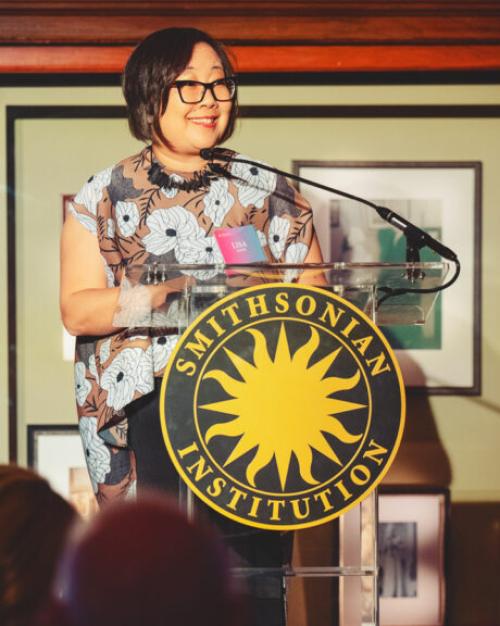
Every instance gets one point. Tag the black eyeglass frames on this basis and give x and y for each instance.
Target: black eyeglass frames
(193, 91)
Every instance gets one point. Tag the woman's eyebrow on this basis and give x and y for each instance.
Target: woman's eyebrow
(214, 67)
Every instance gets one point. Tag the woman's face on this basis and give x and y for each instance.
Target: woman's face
(191, 127)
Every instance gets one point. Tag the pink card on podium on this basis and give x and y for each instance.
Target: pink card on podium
(240, 244)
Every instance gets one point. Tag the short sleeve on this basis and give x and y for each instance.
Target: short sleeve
(85, 204)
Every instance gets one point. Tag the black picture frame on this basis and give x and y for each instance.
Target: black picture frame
(55, 451)
(78, 112)
(413, 529)
(426, 367)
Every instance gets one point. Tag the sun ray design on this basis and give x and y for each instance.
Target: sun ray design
(283, 406)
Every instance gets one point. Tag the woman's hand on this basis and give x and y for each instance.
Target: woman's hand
(87, 304)
(159, 293)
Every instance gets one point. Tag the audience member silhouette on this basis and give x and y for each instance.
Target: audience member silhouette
(34, 521)
(143, 563)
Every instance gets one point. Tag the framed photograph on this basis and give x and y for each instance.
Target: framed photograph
(443, 198)
(56, 453)
(411, 555)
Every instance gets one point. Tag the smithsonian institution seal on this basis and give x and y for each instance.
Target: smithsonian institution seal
(282, 406)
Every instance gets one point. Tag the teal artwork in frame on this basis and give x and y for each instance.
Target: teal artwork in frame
(425, 337)
(358, 235)
(441, 353)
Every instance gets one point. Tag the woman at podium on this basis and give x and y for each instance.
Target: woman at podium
(159, 205)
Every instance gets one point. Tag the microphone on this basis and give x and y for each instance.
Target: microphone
(207, 153)
(414, 234)
(415, 237)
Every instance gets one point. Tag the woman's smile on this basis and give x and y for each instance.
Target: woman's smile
(206, 121)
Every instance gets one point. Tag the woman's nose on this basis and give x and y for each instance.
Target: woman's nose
(208, 98)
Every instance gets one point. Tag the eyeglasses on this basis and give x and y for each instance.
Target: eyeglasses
(193, 91)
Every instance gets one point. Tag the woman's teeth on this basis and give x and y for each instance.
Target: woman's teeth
(203, 121)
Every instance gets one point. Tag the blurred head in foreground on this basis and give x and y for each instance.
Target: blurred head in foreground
(144, 563)
(34, 521)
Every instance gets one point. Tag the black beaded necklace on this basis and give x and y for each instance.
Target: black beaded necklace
(200, 180)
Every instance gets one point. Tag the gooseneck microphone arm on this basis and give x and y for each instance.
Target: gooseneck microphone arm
(416, 237)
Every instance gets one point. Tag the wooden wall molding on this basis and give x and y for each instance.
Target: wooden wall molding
(42, 36)
(128, 21)
(263, 59)
(129, 29)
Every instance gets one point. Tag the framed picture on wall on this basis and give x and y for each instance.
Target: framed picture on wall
(56, 453)
(441, 198)
(411, 554)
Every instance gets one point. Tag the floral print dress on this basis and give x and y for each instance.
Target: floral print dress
(137, 221)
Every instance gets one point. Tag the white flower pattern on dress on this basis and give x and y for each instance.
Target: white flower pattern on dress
(162, 349)
(127, 216)
(110, 277)
(200, 251)
(85, 220)
(110, 229)
(82, 385)
(130, 371)
(278, 232)
(262, 238)
(296, 253)
(167, 227)
(175, 315)
(91, 193)
(97, 455)
(93, 367)
(256, 184)
(145, 380)
(171, 192)
(218, 201)
(105, 351)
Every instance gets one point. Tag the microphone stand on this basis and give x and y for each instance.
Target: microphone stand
(413, 256)
(415, 237)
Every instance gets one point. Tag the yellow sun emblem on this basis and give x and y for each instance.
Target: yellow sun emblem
(283, 406)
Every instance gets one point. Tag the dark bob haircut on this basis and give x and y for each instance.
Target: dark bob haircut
(152, 68)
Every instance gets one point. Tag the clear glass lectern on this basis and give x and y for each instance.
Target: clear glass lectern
(330, 575)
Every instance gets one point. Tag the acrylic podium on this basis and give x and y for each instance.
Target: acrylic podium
(332, 570)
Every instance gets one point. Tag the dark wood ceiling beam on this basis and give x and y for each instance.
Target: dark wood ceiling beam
(122, 29)
(249, 7)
